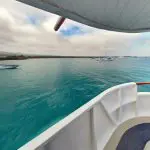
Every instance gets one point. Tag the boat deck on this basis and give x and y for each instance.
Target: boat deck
(106, 122)
(135, 138)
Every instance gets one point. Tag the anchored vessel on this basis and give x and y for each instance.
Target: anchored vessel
(2, 66)
(118, 118)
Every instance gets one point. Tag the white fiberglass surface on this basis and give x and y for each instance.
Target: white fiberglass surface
(100, 118)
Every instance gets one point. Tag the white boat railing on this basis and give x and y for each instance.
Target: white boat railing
(91, 126)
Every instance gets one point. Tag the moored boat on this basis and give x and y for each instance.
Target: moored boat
(3, 66)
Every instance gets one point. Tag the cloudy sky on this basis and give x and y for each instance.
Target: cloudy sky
(28, 30)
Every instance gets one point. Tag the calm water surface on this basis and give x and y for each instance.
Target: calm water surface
(43, 91)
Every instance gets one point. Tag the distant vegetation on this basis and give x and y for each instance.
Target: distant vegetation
(17, 56)
(22, 57)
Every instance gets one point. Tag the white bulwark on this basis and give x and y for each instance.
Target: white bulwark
(99, 124)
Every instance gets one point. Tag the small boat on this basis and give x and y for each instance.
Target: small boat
(106, 59)
(110, 58)
(3, 66)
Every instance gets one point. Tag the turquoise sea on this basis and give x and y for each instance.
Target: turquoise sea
(43, 91)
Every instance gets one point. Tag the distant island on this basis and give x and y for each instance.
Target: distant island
(23, 57)
(18, 56)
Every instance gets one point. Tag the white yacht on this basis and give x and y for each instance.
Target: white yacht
(3, 66)
(118, 118)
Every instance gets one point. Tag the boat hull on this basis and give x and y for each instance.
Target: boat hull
(92, 126)
(8, 67)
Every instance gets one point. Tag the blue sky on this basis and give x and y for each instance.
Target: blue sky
(32, 20)
(72, 30)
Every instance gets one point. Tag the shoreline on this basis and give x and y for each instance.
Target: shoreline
(22, 57)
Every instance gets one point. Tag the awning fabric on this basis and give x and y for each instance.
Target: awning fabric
(115, 15)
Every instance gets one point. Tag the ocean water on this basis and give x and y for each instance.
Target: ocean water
(43, 91)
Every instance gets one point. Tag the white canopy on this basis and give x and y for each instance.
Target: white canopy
(115, 15)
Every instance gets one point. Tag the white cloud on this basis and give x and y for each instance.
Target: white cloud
(17, 34)
(104, 42)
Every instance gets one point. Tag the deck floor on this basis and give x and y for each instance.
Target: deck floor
(135, 138)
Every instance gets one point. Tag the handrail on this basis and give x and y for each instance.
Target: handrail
(142, 83)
